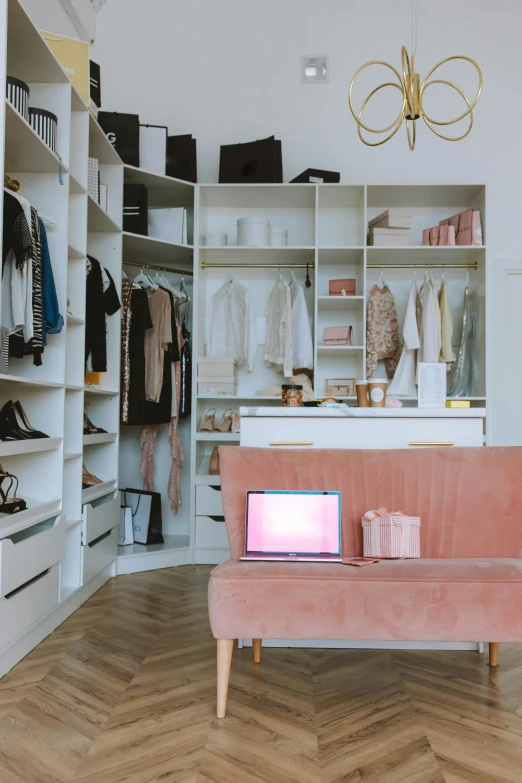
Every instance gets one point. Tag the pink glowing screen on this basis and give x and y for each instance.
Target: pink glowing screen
(293, 522)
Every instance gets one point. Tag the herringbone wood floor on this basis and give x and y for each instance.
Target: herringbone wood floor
(124, 692)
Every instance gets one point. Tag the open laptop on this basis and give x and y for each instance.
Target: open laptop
(293, 525)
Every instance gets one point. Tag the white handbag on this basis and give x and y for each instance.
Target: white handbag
(125, 532)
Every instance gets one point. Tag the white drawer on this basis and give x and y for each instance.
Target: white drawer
(393, 433)
(19, 610)
(100, 516)
(211, 532)
(30, 552)
(208, 501)
(99, 554)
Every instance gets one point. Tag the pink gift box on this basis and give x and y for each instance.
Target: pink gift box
(390, 534)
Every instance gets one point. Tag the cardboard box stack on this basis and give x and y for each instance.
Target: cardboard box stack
(217, 375)
(391, 228)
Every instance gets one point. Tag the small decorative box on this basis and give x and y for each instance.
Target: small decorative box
(391, 534)
(339, 387)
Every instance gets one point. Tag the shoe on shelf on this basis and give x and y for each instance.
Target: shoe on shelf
(88, 480)
(10, 505)
(20, 423)
(236, 422)
(226, 424)
(89, 428)
(8, 432)
(207, 425)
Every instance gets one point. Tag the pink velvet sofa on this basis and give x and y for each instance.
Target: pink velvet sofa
(466, 587)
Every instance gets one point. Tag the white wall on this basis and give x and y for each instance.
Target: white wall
(228, 71)
(51, 15)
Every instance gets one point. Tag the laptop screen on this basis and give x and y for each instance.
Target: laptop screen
(293, 522)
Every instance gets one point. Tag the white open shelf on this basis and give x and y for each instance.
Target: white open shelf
(163, 191)
(98, 491)
(75, 320)
(99, 221)
(171, 543)
(36, 511)
(218, 436)
(75, 254)
(25, 151)
(99, 437)
(16, 447)
(140, 249)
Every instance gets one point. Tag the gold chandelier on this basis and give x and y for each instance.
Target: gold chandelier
(412, 91)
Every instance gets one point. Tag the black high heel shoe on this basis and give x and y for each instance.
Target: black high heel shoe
(10, 505)
(7, 432)
(19, 421)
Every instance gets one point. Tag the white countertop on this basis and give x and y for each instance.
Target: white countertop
(363, 413)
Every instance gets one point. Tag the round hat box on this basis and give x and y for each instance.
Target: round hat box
(17, 93)
(215, 239)
(45, 123)
(253, 232)
(278, 237)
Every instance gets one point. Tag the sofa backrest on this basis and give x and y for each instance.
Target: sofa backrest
(469, 499)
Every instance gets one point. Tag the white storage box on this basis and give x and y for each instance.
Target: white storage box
(278, 237)
(389, 237)
(218, 384)
(170, 225)
(398, 217)
(215, 239)
(253, 232)
(224, 367)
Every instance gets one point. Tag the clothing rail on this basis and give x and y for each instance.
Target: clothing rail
(420, 267)
(258, 266)
(158, 268)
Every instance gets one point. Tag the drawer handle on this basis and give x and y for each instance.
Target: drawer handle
(217, 519)
(291, 443)
(431, 443)
(100, 538)
(27, 584)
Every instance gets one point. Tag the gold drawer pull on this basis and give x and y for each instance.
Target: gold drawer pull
(431, 443)
(291, 443)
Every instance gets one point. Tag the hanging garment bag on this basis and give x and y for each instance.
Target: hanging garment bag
(146, 516)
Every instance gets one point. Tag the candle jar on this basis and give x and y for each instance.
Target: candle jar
(292, 396)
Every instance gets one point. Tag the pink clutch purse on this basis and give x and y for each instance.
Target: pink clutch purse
(439, 235)
(338, 335)
(468, 227)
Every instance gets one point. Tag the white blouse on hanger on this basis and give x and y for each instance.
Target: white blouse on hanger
(429, 324)
(303, 352)
(279, 346)
(231, 324)
(403, 383)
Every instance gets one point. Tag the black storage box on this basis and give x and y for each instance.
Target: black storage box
(256, 161)
(95, 81)
(123, 131)
(136, 209)
(182, 158)
(17, 93)
(45, 123)
(318, 175)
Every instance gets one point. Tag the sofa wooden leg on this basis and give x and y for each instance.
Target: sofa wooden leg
(256, 650)
(493, 653)
(224, 661)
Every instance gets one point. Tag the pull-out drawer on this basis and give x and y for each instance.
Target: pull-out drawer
(359, 433)
(208, 501)
(28, 604)
(100, 516)
(99, 554)
(29, 552)
(211, 532)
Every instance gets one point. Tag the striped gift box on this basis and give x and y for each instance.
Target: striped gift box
(45, 123)
(390, 534)
(17, 93)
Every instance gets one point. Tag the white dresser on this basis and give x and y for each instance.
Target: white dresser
(361, 428)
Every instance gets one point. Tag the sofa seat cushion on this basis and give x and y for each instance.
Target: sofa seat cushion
(422, 600)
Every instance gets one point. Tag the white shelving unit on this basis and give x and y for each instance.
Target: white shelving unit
(174, 260)
(62, 566)
(327, 227)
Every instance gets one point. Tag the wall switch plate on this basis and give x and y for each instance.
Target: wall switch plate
(315, 69)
